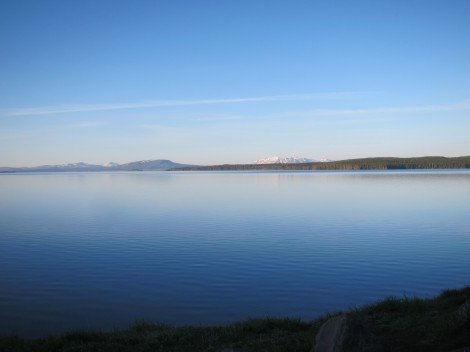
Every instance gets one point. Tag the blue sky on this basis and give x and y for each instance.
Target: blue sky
(210, 82)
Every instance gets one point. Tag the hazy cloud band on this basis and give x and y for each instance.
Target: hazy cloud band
(166, 103)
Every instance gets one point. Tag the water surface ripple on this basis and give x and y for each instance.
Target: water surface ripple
(101, 250)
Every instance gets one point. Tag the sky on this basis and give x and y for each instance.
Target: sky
(212, 82)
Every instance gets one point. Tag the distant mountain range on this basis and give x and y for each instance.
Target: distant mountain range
(271, 163)
(288, 160)
(144, 165)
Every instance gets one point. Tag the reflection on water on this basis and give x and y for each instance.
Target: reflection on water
(101, 250)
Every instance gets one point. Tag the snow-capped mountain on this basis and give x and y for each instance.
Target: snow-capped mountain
(111, 164)
(144, 165)
(79, 165)
(70, 166)
(282, 160)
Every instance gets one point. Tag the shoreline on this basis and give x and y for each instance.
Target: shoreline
(441, 323)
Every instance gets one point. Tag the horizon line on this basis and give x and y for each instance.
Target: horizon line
(252, 162)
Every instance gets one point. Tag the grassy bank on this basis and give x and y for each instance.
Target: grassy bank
(402, 324)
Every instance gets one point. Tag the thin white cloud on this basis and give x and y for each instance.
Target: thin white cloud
(465, 105)
(168, 103)
(319, 117)
(349, 116)
(86, 124)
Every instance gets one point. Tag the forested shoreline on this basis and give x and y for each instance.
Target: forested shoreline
(428, 162)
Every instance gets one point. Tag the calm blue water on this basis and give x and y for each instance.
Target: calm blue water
(101, 250)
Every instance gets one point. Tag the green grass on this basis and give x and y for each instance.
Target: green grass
(412, 324)
(401, 324)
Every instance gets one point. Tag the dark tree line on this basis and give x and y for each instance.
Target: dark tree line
(427, 162)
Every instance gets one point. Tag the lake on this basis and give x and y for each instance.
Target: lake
(102, 250)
